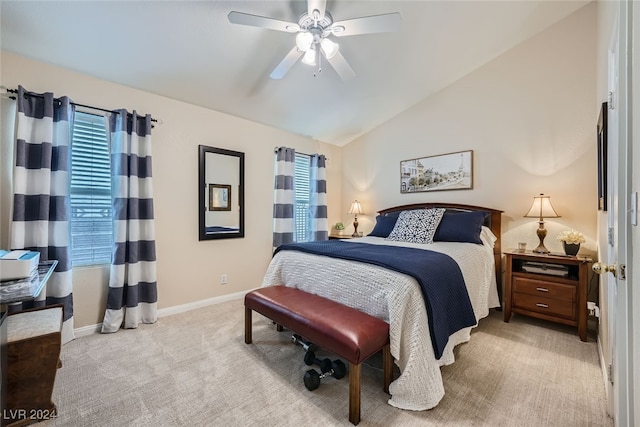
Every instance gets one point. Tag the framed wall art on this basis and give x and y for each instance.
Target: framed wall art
(452, 171)
(219, 197)
(602, 158)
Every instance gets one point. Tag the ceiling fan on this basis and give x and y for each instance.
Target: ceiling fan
(315, 30)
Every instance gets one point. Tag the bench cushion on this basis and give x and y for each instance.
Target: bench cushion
(30, 324)
(345, 331)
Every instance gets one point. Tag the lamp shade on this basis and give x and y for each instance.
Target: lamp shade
(304, 40)
(541, 208)
(329, 48)
(309, 57)
(355, 208)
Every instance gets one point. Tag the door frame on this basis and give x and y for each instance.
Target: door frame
(620, 250)
(634, 256)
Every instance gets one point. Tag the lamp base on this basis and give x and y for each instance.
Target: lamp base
(355, 228)
(542, 233)
(541, 250)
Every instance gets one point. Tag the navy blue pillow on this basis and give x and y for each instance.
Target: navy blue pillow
(460, 227)
(384, 225)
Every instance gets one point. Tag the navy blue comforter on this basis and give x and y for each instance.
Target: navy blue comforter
(445, 294)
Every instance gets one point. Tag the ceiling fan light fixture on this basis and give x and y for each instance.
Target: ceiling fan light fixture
(309, 57)
(329, 48)
(315, 25)
(304, 41)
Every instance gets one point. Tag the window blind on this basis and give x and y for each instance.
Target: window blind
(91, 211)
(302, 165)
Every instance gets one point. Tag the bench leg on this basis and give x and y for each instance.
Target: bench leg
(387, 367)
(354, 393)
(247, 325)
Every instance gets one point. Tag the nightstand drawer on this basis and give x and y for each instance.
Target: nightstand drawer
(550, 306)
(544, 289)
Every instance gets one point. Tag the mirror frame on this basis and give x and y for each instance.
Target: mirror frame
(202, 207)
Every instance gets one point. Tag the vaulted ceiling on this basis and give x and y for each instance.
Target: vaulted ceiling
(188, 50)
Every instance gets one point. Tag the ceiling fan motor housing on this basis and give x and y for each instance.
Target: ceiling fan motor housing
(307, 22)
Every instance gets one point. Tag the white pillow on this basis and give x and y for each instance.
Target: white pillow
(417, 225)
(487, 237)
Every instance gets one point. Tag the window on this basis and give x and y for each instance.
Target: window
(91, 221)
(302, 184)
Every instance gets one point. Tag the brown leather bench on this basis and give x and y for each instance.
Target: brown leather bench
(33, 356)
(344, 331)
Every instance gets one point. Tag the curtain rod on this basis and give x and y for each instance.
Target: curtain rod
(275, 150)
(74, 104)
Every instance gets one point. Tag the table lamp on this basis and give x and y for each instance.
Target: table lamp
(541, 208)
(355, 209)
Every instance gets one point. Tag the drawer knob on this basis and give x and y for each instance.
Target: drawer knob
(542, 289)
(542, 305)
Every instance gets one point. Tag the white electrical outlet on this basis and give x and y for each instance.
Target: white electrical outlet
(593, 309)
(223, 279)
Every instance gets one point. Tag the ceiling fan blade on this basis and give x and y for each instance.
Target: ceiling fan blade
(318, 5)
(387, 23)
(262, 22)
(285, 65)
(342, 67)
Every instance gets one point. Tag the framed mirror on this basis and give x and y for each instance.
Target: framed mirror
(221, 189)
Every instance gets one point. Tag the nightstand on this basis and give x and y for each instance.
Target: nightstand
(547, 286)
(340, 236)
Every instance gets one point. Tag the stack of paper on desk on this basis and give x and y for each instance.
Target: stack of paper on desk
(17, 264)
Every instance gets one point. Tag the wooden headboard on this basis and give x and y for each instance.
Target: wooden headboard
(493, 221)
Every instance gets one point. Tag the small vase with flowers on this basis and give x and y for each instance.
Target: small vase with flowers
(571, 241)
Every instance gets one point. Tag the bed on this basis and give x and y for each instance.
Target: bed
(397, 298)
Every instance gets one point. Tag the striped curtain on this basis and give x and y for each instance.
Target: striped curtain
(284, 198)
(41, 207)
(318, 224)
(133, 295)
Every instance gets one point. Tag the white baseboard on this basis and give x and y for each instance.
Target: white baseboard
(603, 364)
(169, 311)
(605, 375)
(87, 330)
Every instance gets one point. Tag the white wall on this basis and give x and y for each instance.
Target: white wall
(188, 270)
(529, 116)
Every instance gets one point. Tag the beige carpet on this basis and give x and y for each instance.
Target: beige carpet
(193, 369)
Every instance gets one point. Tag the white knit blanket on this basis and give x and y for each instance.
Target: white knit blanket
(397, 299)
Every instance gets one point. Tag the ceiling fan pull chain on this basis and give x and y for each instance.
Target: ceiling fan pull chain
(318, 61)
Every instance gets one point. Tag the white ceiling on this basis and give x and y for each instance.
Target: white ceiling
(187, 50)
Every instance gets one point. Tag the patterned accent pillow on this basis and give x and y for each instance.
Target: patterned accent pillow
(417, 226)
